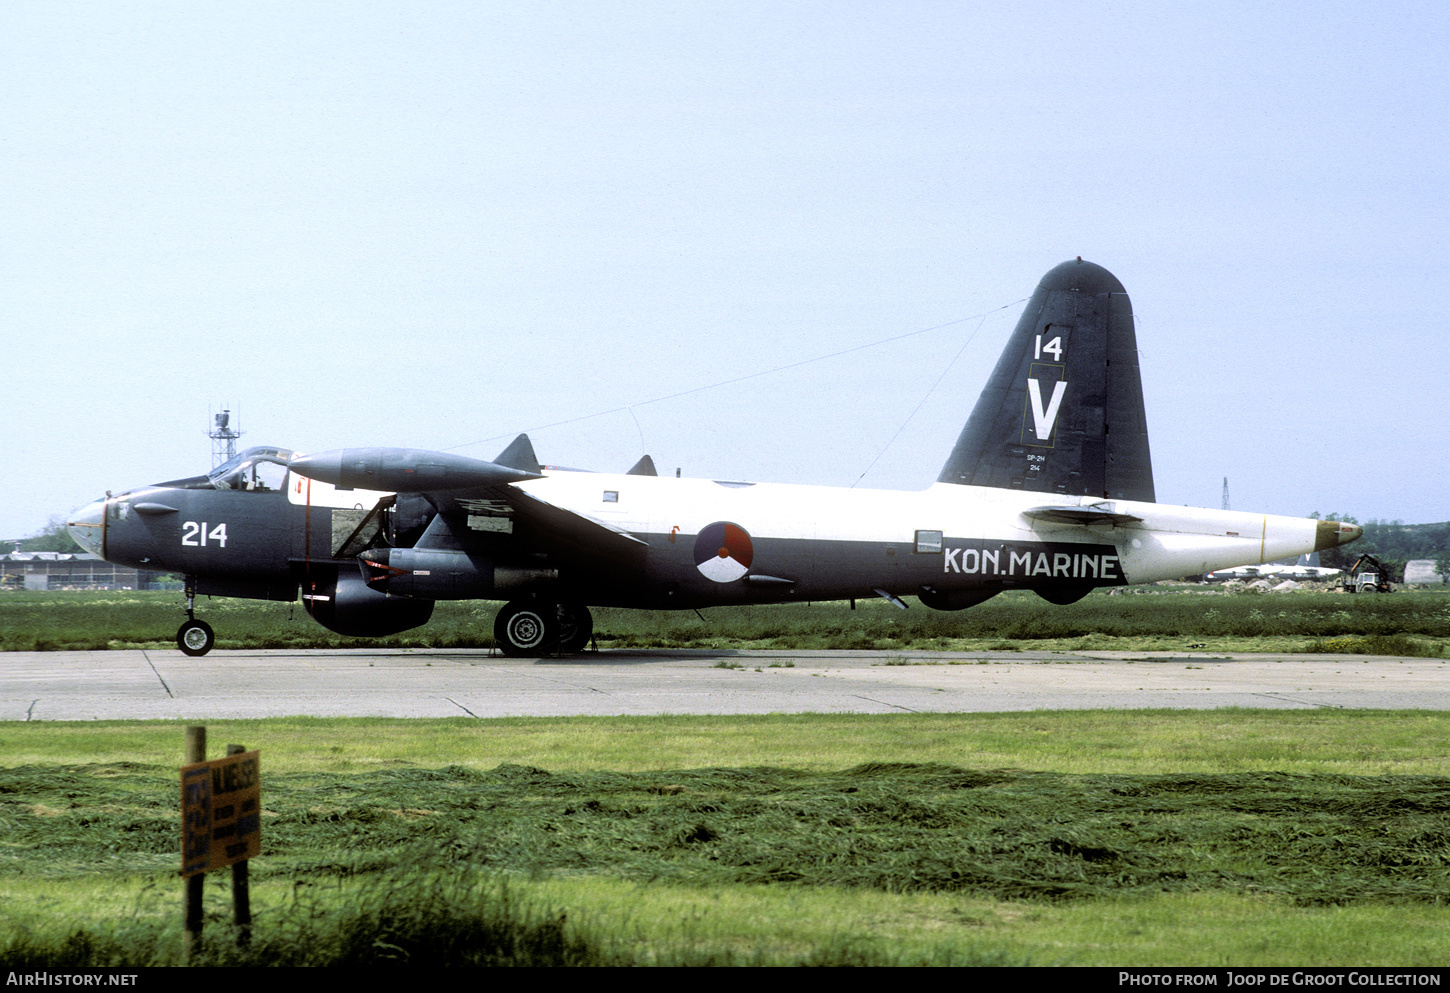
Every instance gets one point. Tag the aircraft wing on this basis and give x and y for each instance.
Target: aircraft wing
(570, 529)
(467, 518)
(475, 498)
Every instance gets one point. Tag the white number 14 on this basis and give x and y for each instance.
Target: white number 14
(1053, 348)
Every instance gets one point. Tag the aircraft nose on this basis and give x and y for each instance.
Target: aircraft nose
(85, 526)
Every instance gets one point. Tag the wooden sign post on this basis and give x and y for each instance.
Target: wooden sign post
(221, 825)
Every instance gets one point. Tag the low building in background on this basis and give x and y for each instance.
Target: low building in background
(76, 571)
(1422, 571)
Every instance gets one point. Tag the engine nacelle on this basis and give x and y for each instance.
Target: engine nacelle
(342, 602)
(446, 574)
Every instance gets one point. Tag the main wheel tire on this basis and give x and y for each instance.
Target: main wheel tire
(195, 637)
(576, 627)
(526, 628)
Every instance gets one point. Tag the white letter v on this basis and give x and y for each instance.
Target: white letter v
(1043, 420)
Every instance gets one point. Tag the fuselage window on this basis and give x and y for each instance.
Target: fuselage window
(928, 542)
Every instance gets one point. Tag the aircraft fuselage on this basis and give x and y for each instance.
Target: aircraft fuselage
(1049, 488)
(784, 541)
(834, 543)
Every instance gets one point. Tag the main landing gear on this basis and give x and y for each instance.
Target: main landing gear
(194, 637)
(531, 627)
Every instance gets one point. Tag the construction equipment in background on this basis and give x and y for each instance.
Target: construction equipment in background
(1373, 579)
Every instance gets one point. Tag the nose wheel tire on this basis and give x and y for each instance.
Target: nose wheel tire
(195, 637)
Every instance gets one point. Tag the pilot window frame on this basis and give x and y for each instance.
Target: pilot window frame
(256, 470)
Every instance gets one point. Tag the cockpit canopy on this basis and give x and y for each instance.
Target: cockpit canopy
(261, 468)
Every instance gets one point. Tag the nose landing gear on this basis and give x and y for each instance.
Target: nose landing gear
(194, 637)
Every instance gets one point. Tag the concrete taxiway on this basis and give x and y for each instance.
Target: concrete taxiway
(158, 684)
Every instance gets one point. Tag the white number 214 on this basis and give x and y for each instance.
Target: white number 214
(196, 534)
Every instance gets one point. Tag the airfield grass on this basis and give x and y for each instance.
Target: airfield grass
(1088, 742)
(422, 919)
(1159, 617)
(1232, 837)
(1083, 838)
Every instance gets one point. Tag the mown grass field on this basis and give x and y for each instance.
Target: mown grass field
(1096, 838)
(1415, 623)
(1151, 838)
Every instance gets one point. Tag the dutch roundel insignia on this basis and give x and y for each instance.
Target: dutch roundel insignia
(723, 552)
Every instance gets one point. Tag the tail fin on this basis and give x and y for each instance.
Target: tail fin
(1063, 411)
(519, 455)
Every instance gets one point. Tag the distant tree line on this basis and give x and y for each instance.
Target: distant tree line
(52, 538)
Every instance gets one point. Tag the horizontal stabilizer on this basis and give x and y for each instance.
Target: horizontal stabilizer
(1079, 515)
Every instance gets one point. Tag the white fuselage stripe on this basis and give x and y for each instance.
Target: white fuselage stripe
(1169, 542)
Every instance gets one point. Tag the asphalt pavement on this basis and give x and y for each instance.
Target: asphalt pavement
(165, 684)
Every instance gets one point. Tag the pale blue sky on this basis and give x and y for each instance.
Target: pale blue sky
(433, 224)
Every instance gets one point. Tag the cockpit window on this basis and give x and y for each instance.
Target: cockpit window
(256, 469)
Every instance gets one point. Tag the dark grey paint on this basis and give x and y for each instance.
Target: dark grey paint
(1099, 443)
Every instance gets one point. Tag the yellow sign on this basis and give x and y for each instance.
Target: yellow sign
(221, 812)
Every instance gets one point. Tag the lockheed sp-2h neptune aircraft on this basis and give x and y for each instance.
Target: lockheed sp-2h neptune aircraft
(1049, 488)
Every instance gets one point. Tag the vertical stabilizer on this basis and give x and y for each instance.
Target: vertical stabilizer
(1063, 411)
